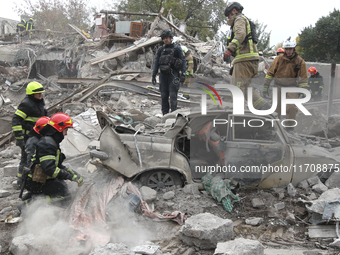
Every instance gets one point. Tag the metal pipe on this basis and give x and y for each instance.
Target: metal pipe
(330, 93)
(139, 156)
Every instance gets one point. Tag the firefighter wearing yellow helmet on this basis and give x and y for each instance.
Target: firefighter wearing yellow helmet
(29, 111)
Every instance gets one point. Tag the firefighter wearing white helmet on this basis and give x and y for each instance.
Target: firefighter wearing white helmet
(289, 70)
(190, 66)
(29, 111)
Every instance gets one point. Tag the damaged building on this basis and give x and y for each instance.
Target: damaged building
(147, 186)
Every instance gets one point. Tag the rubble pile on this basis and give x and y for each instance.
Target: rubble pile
(105, 86)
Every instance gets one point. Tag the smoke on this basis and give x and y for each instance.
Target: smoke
(78, 228)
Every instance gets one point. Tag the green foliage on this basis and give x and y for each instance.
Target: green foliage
(264, 39)
(321, 43)
(203, 17)
(55, 14)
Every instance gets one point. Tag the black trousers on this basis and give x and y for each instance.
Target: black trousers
(55, 190)
(169, 89)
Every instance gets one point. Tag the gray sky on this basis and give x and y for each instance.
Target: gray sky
(283, 18)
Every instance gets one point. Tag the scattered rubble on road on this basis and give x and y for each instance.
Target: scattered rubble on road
(105, 85)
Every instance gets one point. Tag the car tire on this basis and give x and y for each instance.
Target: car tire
(160, 179)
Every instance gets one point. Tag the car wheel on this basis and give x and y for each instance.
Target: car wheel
(160, 179)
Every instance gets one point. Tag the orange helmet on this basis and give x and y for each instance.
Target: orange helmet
(312, 70)
(280, 50)
(60, 121)
(41, 122)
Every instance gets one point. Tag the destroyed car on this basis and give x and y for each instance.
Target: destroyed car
(255, 155)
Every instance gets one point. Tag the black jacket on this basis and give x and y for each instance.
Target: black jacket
(27, 114)
(49, 156)
(31, 144)
(177, 54)
(315, 82)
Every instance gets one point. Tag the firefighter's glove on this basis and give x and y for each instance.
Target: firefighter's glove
(187, 73)
(182, 78)
(20, 143)
(78, 179)
(154, 79)
(266, 91)
(302, 95)
(227, 55)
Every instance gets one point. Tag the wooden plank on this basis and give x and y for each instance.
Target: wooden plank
(154, 23)
(190, 38)
(322, 231)
(116, 54)
(79, 32)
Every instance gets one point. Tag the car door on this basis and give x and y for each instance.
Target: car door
(256, 152)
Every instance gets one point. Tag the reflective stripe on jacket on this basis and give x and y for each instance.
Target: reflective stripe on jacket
(50, 158)
(244, 51)
(27, 114)
(283, 69)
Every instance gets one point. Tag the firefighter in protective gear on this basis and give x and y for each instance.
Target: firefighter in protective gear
(34, 137)
(29, 111)
(315, 82)
(21, 26)
(244, 49)
(49, 172)
(289, 70)
(30, 24)
(190, 66)
(31, 143)
(280, 51)
(170, 61)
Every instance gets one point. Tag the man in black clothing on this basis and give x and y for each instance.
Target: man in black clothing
(315, 82)
(29, 111)
(170, 61)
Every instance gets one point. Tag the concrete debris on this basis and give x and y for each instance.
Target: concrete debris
(320, 187)
(291, 190)
(10, 170)
(110, 74)
(191, 189)
(318, 205)
(24, 245)
(169, 195)
(313, 180)
(257, 203)
(6, 210)
(290, 218)
(303, 185)
(148, 194)
(205, 230)
(254, 221)
(279, 206)
(240, 246)
(111, 249)
(333, 181)
(4, 193)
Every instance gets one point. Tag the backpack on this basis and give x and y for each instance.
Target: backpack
(252, 35)
(167, 61)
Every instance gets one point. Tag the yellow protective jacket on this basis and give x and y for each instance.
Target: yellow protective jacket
(288, 72)
(243, 51)
(190, 64)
